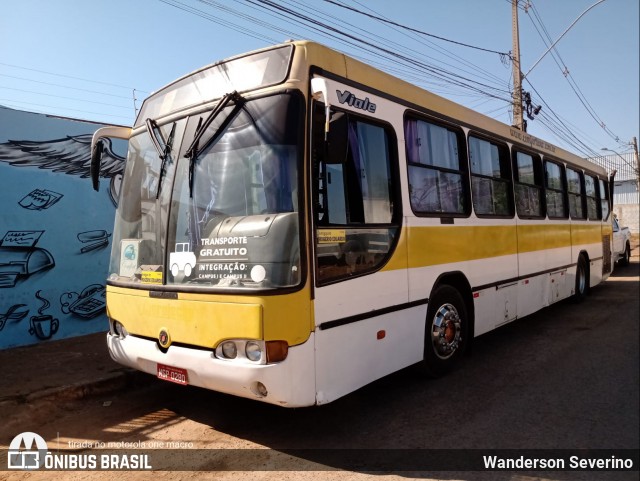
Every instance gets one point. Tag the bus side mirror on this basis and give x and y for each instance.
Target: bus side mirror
(98, 144)
(96, 157)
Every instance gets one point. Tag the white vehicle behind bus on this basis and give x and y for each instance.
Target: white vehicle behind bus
(621, 250)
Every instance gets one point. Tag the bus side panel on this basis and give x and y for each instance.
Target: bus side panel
(484, 254)
(544, 259)
(354, 355)
(354, 346)
(587, 237)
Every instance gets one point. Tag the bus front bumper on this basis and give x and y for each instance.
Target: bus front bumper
(290, 383)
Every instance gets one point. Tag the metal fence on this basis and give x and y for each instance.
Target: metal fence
(626, 165)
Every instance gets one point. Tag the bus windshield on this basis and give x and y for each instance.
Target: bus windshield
(230, 218)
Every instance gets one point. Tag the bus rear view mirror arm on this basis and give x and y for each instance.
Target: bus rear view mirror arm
(335, 128)
(320, 92)
(97, 147)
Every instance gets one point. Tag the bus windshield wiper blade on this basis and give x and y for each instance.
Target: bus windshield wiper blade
(194, 149)
(164, 149)
(156, 136)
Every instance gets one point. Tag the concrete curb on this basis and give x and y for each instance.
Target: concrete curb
(73, 392)
(21, 411)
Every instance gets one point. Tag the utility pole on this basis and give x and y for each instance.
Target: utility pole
(518, 120)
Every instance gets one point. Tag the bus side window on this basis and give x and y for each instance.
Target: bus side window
(556, 190)
(575, 182)
(490, 178)
(528, 185)
(436, 174)
(593, 213)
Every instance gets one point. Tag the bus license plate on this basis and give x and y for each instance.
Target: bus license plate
(173, 374)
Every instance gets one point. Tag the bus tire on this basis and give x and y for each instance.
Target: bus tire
(582, 280)
(446, 334)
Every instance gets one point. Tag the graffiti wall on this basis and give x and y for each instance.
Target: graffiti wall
(55, 230)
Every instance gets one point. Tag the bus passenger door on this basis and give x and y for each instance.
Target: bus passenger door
(360, 295)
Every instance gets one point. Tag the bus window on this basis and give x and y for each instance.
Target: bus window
(435, 171)
(528, 185)
(576, 194)
(490, 178)
(355, 198)
(555, 190)
(604, 198)
(592, 197)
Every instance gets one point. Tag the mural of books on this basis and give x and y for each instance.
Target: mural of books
(40, 199)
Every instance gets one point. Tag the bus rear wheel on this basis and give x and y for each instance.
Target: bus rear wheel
(446, 334)
(582, 280)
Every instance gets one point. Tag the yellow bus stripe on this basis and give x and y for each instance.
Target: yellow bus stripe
(447, 244)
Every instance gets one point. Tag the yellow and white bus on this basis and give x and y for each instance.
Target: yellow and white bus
(294, 224)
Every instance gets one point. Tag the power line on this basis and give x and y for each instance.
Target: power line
(380, 19)
(442, 73)
(565, 71)
(561, 128)
(63, 97)
(433, 45)
(219, 21)
(368, 33)
(65, 86)
(15, 102)
(71, 77)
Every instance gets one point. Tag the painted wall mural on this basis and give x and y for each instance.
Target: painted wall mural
(55, 230)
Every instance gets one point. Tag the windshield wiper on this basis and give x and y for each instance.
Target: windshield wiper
(194, 149)
(164, 149)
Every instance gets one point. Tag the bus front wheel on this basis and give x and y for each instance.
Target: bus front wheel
(447, 328)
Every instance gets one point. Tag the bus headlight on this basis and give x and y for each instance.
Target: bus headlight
(229, 350)
(253, 350)
(119, 329)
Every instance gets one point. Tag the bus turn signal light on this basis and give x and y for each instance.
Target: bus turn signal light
(277, 351)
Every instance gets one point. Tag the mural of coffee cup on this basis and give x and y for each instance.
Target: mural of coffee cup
(43, 327)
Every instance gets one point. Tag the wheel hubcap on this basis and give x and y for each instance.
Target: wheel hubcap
(446, 331)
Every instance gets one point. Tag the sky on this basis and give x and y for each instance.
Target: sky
(97, 60)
